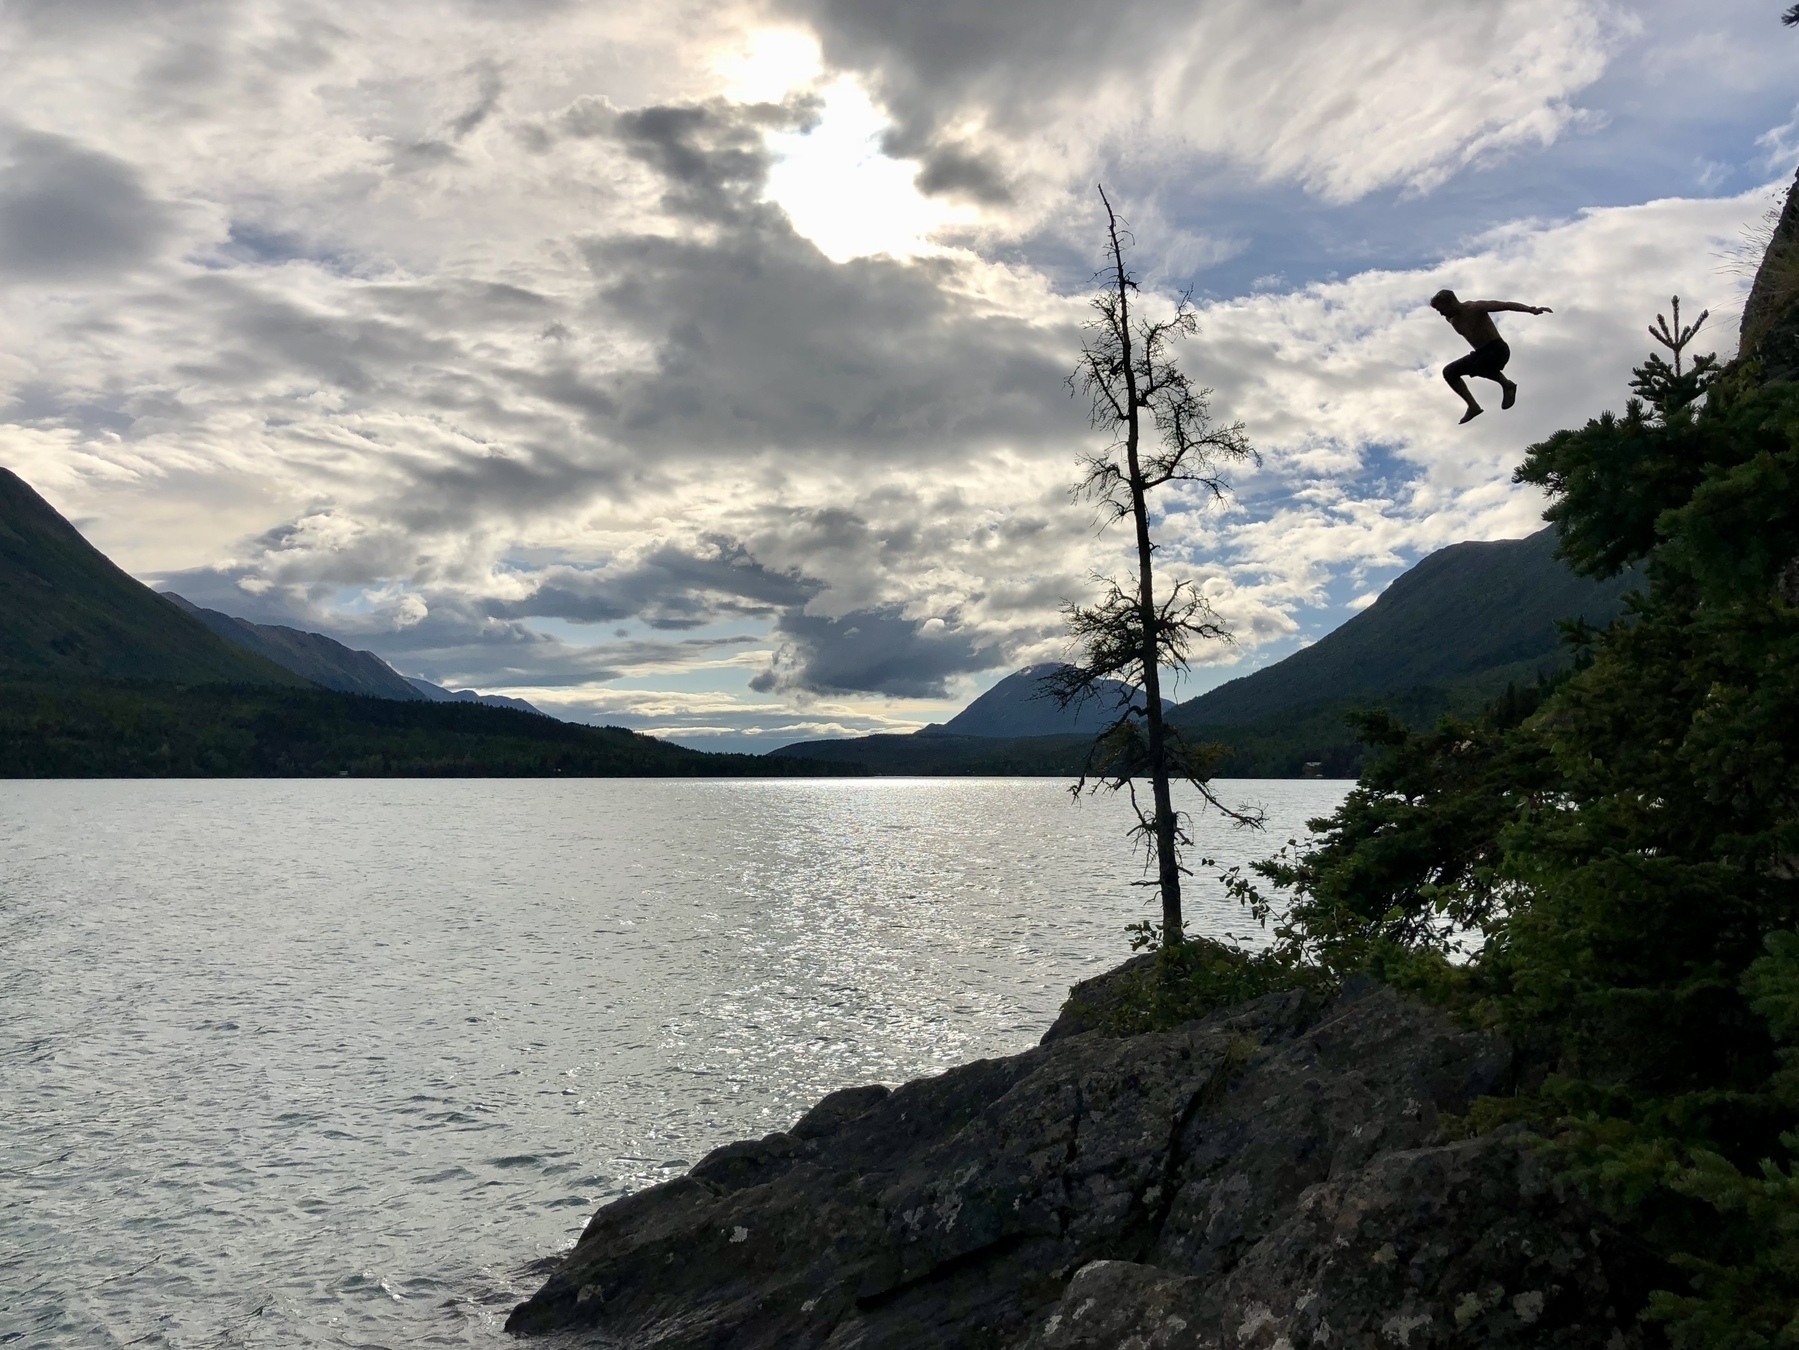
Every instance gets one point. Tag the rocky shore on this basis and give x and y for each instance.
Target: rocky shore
(1271, 1177)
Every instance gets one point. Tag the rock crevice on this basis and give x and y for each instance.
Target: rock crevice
(1266, 1178)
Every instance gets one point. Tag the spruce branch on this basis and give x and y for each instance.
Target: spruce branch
(1676, 338)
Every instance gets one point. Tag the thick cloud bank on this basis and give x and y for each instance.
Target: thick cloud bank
(486, 336)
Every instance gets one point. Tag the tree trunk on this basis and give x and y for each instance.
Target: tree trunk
(1167, 864)
(1168, 871)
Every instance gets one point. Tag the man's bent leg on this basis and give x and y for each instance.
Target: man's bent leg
(1453, 374)
(1488, 362)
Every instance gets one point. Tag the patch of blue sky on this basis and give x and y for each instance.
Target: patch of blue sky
(1383, 473)
(249, 245)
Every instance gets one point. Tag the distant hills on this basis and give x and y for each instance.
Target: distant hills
(102, 677)
(436, 693)
(1448, 635)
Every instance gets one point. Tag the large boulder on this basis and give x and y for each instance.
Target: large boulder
(1262, 1174)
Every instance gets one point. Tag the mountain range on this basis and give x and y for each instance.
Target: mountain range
(102, 677)
(1448, 635)
(330, 664)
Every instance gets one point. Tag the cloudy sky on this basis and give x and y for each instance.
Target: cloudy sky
(697, 365)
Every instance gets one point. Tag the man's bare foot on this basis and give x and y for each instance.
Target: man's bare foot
(1472, 413)
(1511, 396)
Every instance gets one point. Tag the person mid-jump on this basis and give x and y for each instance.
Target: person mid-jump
(1473, 319)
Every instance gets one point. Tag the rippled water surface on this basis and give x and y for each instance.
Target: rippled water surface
(338, 1063)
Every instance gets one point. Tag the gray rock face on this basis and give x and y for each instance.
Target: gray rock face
(1266, 1178)
(1770, 328)
(1467, 1244)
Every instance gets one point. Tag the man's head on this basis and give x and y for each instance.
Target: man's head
(1444, 301)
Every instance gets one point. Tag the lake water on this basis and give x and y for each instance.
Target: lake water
(341, 1062)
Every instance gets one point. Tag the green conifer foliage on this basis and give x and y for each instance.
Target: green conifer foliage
(1608, 868)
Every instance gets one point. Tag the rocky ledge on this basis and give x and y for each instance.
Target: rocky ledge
(1268, 1178)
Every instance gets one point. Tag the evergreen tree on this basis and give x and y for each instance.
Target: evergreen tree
(1608, 867)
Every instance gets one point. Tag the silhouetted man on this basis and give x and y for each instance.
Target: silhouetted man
(1473, 319)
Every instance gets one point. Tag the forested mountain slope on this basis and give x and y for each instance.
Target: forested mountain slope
(67, 611)
(1473, 612)
(313, 656)
(100, 677)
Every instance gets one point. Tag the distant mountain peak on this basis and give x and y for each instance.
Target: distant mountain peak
(1019, 705)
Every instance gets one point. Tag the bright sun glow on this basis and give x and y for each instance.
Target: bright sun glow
(771, 65)
(847, 197)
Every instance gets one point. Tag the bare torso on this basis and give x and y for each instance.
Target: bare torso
(1475, 322)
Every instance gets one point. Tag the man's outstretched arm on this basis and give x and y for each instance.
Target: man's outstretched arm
(1505, 306)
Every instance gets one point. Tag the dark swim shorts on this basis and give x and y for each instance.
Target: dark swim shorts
(1485, 361)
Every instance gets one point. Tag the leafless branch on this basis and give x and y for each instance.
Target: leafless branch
(1161, 434)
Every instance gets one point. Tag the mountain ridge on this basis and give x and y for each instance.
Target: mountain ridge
(1018, 706)
(101, 677)
(1500, 597)
(324, 661)
(331, 664)
(1447, 635)
(69, 611)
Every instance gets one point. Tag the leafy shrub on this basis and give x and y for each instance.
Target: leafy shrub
(1188, 980)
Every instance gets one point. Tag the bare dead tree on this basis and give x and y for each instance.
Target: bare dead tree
(1162, 436)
